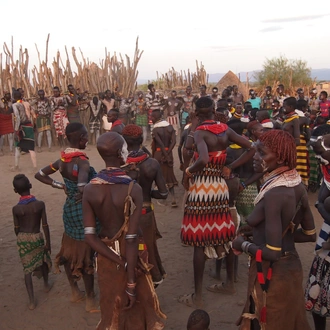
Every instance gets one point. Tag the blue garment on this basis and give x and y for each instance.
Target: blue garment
(255, 103)
(72, 211)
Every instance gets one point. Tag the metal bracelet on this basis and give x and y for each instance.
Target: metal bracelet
(131, 236)
(130, 294)
(58, 185)
(42, 173)
(82, 184)
(89, 230)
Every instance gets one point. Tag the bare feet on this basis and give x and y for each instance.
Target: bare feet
(48, 287)
(222, 288)
(14, 169)
(32, 305)
(78, 296)
(190, 301)
(92, 305)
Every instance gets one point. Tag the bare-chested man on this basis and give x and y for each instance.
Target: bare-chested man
(172, 107)
(164, 140)
(188, 105)
(237, 97)
(127, 300)
(113, 118)
(207, 224)
(275, 231)
(6, 122)
(72, 100)
(146, 171)
(268, 99)
(28, 215)
(108, 101)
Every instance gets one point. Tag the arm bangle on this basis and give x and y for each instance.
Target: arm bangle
(131, 236)
(53, 168)
(190, 135)
(89, 230)
(82, 184)
(273, 248)
(58, 185)
(42, 173)
(163, 194)
(125, 266)
(309, 232)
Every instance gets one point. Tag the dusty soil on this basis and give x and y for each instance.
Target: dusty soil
(55, 311)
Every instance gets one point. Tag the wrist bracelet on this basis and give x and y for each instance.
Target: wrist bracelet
(125, 266)
(130, 294)
(57, 185)
(243, 184)
(245, 247)
(189, 174)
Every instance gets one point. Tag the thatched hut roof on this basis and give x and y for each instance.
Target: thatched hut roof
(228, 79)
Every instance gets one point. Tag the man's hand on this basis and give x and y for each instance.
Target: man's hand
(48, 248)
(226, 172)
(237, 243)
(130, 293)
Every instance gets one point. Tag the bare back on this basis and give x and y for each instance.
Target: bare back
(107, 203)
(28, 216)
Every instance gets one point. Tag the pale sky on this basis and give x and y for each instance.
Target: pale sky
(233, 35)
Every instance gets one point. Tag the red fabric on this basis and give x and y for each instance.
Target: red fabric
(325, 171)
(137, 159)
(67, 158)
(265, 121)
(6, 124)
(324, 108)
(116, 123)
(213, 127)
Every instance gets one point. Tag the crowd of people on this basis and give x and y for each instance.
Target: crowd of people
(247, 167)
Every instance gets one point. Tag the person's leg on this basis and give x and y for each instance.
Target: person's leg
(97, 135)
(49, 139)
(91, 304)
(29, 288)
(319, 321)
(17, 157)
(230, 265)
(45, 271)
(40, 135)
(2, 138)
(199, 264)
(144, 134)
(11, 142)
(173, 197)
(76, 294)
(33, 158)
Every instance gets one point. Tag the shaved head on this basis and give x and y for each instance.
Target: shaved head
(109, 144)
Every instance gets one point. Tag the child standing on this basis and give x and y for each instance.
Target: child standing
(34, 253)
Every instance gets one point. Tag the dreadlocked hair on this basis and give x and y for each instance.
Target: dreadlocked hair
(132, 130)
(282, 144)
(321, 130)
(219, 116)
(199, 318)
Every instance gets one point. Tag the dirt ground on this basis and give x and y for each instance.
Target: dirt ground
(54, 310)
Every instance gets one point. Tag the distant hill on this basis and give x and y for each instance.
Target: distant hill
(318, 74)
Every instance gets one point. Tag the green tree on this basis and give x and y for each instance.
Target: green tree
(290, 73)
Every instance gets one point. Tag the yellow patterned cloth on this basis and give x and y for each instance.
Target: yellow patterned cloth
(32, 252)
